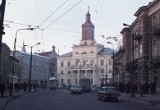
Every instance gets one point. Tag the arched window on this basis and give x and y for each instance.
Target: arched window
(85, 43)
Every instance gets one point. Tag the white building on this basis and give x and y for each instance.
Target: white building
(40, 72)
(87, 60)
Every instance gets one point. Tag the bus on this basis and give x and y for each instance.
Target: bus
(85, 84)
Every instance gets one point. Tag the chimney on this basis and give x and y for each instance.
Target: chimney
(53, 48)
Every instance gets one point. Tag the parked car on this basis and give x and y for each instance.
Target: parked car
(75, 89)
(108, 93)
(53, 87)
(96, 87)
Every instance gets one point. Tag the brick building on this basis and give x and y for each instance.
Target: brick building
(140, 43)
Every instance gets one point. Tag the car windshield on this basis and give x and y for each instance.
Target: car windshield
(110, 89)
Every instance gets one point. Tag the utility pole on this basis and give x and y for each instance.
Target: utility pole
(2, 11)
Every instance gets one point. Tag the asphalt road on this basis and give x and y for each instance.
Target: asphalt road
(61, 99)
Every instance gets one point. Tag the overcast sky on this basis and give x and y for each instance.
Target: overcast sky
(63, 28)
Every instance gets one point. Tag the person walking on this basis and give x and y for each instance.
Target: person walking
(2, 88)
(25, 86)
(141, 87)
(10, 88)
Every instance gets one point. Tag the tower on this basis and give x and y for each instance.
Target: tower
(88, 29)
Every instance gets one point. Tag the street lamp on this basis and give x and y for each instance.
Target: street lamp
(30, 67)
(124, 24)
(15, 41)
(113, 59)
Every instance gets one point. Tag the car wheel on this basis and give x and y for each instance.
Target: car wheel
(117, 100)
(99, 98)
(103, 98)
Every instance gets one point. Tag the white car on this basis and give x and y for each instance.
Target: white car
(75, 89)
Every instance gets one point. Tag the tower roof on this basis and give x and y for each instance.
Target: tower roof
(88, 18)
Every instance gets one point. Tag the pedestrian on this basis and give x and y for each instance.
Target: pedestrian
(141, 87)
(2, 88)
(10, 88)
(25, 86)
(35, 87)
(146, 87)
(128, 87)
(153, 87)
(69, 87)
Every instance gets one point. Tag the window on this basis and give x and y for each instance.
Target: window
(102, 70)
(92, 62)
(110, 71)
(84, 62)
(77, 53)
(69, 72)
(61, 72)
(102, 62)
(62, 81)
(140, 50)
(69, 63)
(62, 64)
(91, 80)
(92, 51)
(69, 81)
(76, 63)
(154, 20)
(109, 61)
(76, 81)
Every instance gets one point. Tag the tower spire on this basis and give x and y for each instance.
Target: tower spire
(88, 28)
(23, 48)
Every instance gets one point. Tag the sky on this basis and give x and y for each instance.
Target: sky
(62, 29)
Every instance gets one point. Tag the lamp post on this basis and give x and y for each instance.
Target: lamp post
(113, 59)
(2, 12)
(15, 40)
(30, 67)
(14, 50)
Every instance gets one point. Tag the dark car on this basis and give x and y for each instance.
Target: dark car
(53, 87)
(108, 93)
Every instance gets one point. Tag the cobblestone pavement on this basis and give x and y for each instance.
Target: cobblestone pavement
(147, 98)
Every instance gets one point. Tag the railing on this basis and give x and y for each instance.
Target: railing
(83, 67)
(137, 37)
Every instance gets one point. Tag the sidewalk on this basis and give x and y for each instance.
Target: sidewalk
(147, 98)
(6, 98)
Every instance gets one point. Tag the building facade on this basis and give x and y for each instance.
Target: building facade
(5, 64)
(53, 65)
(140, 45)
(87, 60)
(40, 72)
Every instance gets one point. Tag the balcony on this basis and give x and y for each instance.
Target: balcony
(156, 32)
(83, 67)
(156, 60)
(137, 37)
(132, 65)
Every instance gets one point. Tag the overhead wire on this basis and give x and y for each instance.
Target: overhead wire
(62, 14)
(17, 23)
(53, 12)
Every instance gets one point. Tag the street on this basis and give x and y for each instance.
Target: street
(61, 99)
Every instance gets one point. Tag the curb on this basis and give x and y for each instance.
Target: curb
(13, 98)
(10, 99)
